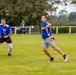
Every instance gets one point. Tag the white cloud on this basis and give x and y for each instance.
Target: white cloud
(69, 8)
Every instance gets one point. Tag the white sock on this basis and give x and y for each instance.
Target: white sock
(9, 47)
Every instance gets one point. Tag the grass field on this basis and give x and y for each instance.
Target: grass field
(29, 59)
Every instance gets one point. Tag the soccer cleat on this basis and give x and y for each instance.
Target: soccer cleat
(51, 59)
(65, 57)
(9, 54)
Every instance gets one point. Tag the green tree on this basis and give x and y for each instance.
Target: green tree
(63, 16)
(29, 10)
(72, 16)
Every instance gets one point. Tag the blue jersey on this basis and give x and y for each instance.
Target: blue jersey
(46, 32)
(5, 30)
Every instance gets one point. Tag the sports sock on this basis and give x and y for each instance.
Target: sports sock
(9, 47)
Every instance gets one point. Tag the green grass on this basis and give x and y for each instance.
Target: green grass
(29, 59)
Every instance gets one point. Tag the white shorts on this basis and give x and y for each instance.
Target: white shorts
(48, 42)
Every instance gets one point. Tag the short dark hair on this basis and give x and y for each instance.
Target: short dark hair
(3, 19)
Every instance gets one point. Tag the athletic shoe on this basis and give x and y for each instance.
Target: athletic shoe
(65, 57)
(51, 59)
(9, 54)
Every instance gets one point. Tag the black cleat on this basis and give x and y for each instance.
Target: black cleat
(65, 57)
(9, 54)
(51, 59)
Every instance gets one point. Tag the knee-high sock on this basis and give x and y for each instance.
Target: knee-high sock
(9, 47)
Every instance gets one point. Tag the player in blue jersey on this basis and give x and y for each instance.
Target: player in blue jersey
(5, 33)
(48, 39)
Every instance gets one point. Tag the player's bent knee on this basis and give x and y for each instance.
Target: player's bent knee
(44, 49)
(54, 47)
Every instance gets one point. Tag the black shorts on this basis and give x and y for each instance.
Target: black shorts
(7, 40)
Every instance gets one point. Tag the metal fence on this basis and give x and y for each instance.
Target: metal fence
(36, 29)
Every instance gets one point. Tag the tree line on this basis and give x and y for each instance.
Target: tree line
(63, 19)
(31, 11)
